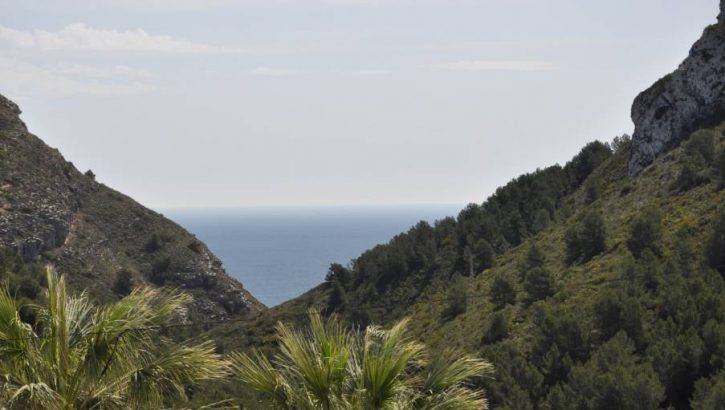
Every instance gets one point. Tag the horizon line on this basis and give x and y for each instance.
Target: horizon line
(306, 206)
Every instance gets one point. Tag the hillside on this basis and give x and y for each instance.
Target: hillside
(597, 284)
(551, 320)
(593, 285)
(105, 241)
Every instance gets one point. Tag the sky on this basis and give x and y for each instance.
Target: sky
(228, 103)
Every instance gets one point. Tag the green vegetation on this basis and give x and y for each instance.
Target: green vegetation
(613, 302)
(586, 238)
(331, 367)
(78, 356)
(715, 248)
(457, 299)
(497, 330)
(586, 289)
(645, 232)
(720, 168)
(538, 285)
(502, 292)
(124, 282)
(427, 256)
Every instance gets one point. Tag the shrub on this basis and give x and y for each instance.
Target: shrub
(502, 292)
(154, 243)
(337, 298)
(542, 219)
(709, 393)
(615, 379)
(626, 188)
(683, 252)
(478, 256)
(538, 284)
(585, 238)
(592, 190)
(645, 232)
(689, 178)
(24, 286)
(573, 247)
(715, 247)
(588, 159)
(497, 330)
(457, 300)
(615, 312)
(534, 259)
(159, 270)
(195, 246)
(720, 168)
(338, 273)
(123, 283)
(701, 146)
(619, 144)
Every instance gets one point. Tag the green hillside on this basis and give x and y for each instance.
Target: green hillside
(636, 320)
(594, 285)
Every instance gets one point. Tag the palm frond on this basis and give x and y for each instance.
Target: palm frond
(85, 357)
(318, 358)
(36, 396)
(167, 375)
(331, 367)
(259, 373)
(386, 357)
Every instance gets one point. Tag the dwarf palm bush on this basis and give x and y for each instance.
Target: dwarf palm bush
(79, 356)
(330, 367)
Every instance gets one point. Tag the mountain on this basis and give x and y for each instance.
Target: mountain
(691, 97)
(103, 240)
(594, 285)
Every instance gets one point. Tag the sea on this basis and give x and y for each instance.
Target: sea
(279, 253)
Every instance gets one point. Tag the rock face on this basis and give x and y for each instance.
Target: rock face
(691, 97)
(50, 212)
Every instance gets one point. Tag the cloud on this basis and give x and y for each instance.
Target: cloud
(99, 72)
(495, 65)
(23, 78)
(82, 37)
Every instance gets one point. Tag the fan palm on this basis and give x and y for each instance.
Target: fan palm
(78, 356)
(331, 367)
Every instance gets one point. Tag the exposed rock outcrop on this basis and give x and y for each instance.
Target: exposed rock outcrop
(51, 212)
(691, 97)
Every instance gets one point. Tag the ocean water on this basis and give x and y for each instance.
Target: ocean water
(279, 253)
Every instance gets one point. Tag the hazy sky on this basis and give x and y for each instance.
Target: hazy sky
(332, 102)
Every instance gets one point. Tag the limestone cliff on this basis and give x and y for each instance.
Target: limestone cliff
(691, 97)
(50, 212)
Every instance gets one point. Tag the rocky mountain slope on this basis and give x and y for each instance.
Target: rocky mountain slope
(691, 97)
(103, 240)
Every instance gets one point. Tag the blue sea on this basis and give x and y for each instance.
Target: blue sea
(279, 253)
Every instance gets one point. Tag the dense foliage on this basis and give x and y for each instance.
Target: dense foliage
(330, 367)
(653, 335)
(618, 305)
(586, 238)
(79, 356)
(466, 245)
